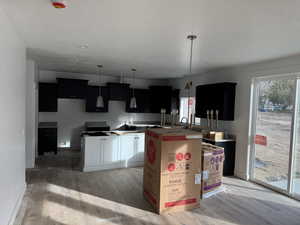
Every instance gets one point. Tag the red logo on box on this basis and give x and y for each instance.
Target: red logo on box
(188, 156)
(179, 156)
(171, 167)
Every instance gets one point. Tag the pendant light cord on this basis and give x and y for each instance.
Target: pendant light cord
(191, 55)
(99, 90)
(133, 79)
(192, 38)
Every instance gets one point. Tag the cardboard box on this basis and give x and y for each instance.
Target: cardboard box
(214, 135)
(212, 169)
(172, 169)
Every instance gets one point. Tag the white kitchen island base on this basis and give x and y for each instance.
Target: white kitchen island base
(111, 152)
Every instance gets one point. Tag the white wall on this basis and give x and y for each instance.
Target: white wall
(71, 114)
(243, 75)
(12, 113)
(31, 112)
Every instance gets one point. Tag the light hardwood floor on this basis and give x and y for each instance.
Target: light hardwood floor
(62, 195)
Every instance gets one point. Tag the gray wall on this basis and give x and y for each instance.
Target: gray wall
(12, 113)
(71, 114)
(243, 75)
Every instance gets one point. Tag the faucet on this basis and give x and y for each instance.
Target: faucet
(187, 121)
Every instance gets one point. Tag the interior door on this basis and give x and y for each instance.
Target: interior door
(273, 131)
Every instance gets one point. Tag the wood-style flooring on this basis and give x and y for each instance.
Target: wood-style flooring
(59, 194)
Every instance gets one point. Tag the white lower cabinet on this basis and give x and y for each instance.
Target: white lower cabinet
(100, 153)
(109, 152)
(132, 149)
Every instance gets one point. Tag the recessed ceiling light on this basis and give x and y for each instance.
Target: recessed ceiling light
(59, 4)
(85, 46)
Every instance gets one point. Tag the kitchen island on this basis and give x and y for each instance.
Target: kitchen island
(112, 149)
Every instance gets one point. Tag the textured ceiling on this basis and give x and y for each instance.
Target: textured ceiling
(151, 35)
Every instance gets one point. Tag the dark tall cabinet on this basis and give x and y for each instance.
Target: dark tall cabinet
(47, 97)
(220, 96)
(47, 137)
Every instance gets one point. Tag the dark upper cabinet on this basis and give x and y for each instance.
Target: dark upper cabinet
(72, 88)
(142, 100)
(47, 97)
(160, 98)
(91, 99)
(175, 101)
(220, 96)
(118, 91)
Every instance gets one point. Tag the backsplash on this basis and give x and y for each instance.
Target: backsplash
(71, 117)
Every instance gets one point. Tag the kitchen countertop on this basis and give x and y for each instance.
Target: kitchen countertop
(221, 140)
(47, 124)
(122, 132)
(111, 133)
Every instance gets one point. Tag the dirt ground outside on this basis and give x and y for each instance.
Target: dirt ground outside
(272, 161)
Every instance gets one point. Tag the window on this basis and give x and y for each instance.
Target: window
(275, 132)
(187, 104)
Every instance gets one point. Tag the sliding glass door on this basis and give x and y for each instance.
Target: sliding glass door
(275, 132)
(295, 187)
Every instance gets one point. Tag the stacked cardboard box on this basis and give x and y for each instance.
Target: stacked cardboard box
(172, 169)
(212, 169)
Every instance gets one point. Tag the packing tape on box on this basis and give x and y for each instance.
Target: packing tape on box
(198, 179)
(205, 174)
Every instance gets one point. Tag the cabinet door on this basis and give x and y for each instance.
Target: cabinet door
(118, 91)
(47, 97)
(142, 100)
(106, 153)
(220, 96)
(91, 99)
(139, 148)
(229, 102)
(72, 88)
(175, 102)
(47, 140)
(110, 150)
(127, 145)
(92, 152)
(160, 97)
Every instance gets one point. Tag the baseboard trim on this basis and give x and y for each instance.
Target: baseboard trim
(118, 165)
(17, 205)
(241, 175)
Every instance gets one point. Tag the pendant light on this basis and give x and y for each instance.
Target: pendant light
(133, 104)
(189, 84)
(99, 103)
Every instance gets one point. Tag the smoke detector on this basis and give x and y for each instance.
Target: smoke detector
(59, 4)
